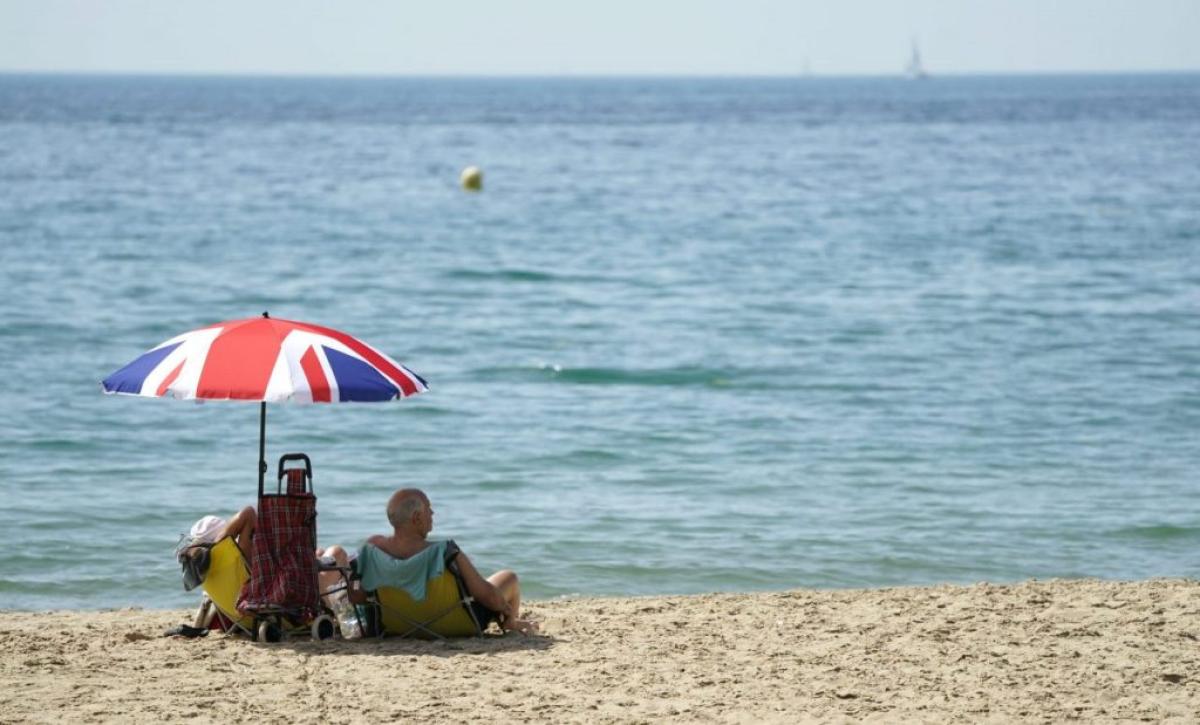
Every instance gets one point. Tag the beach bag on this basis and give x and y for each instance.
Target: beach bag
(283, 570)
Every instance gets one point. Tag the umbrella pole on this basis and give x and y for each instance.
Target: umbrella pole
(262, 447)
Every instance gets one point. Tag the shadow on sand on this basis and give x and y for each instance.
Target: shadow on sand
(396, 646)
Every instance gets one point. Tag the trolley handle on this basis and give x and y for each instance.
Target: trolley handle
(288, 457)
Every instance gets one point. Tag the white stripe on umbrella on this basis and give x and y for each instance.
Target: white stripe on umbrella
(297, 344)
(193, 352)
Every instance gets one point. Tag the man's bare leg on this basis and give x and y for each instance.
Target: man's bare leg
(332, 579)
(510, 588)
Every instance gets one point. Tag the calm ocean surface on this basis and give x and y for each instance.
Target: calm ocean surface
(694, 335)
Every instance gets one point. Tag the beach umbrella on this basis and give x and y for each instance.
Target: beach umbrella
(266, 360)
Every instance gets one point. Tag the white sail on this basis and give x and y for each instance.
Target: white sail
(915, 69)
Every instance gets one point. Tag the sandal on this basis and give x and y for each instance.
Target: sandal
(186, 630)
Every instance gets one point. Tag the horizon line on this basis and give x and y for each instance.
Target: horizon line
(801, 75)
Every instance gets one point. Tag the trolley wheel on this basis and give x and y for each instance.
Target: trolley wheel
(269, 631)
(322, 627)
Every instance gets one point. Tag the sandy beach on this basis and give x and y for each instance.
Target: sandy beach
(1034, 651)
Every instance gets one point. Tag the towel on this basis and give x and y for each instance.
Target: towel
(380, 569)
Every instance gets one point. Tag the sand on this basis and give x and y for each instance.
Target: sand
(1035, 651)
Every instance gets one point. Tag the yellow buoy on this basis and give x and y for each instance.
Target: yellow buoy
(471, 178)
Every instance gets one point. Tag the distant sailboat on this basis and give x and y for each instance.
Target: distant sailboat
(914, 69)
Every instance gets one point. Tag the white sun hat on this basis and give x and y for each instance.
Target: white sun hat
(207, 529)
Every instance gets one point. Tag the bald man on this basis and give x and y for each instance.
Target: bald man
(499, 596)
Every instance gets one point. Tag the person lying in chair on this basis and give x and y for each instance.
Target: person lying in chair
(193, 552)
(497, 598)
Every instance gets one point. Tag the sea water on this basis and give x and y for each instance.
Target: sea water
(693, 335)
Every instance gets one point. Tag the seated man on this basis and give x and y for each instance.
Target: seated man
(497, 598)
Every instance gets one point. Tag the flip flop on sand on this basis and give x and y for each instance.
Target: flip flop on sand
(186, 630)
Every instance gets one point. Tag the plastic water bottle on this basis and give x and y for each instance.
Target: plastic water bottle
(347, 615)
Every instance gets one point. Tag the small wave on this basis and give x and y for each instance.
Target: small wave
(40, 328)
(1159, 532)
(138, 292)
(121, 257)
(581, 455)
(667, 377)
(594, 454)
(518, 275)
(500, 485)
(428, 411)
(502, 275)
(60, 445)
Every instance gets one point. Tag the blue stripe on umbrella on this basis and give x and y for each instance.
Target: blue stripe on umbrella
(130, 378)
(358, 381)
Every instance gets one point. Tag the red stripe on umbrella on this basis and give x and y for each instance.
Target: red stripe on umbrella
(166, 383)
(317, 382)
(239, 363)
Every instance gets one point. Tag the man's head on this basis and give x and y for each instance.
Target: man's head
(408, 510)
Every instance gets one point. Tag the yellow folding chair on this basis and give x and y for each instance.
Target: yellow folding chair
(227, 573)
(445, 612)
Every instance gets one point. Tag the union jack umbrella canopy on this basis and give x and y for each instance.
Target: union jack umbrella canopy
(264, 359)
(268, 360)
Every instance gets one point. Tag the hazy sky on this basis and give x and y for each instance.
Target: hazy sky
(609, 37)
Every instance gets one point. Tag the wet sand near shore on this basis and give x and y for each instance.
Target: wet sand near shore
(1034, 651)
